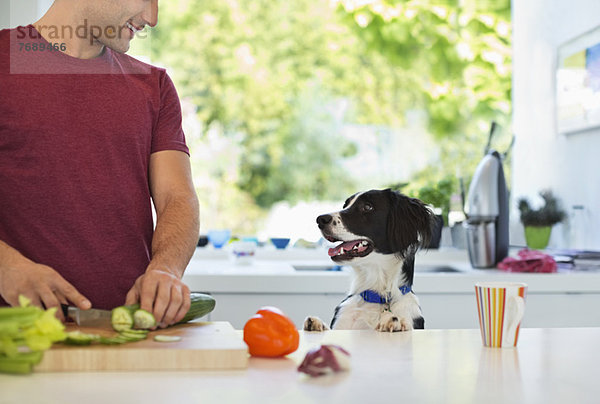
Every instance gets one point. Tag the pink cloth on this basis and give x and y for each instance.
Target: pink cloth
(529, 261)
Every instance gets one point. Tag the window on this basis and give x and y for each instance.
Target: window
(303, 103)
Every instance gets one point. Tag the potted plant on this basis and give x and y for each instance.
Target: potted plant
(437, 194)
(538, 222)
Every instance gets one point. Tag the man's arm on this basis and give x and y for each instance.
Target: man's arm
(160, 290)
(40, 283)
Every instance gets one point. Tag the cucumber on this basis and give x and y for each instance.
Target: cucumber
(80, 338)
(127, 338)
(119, 339)
(121, 317)
(124, 317)
(133, 336)
(201, 305)
(113, 340)
(143, 320)
(135, 332)
(167, 338)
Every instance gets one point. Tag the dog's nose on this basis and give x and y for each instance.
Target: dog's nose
(324, 220)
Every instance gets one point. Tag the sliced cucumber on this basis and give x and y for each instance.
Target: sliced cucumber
(143, 319)
(167, 338)
(126, 338)
(135, 332)
(119, 339)
(122, 318)
(80, 338)
(111, 340)
(133, 336)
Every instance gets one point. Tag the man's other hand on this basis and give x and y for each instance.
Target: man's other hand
(41, 284)
(162, 294)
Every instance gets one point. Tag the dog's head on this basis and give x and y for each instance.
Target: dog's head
(381, 221)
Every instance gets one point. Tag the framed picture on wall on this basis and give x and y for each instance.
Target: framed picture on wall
(578, 83)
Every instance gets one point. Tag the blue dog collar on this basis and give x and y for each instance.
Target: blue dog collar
(370, 296)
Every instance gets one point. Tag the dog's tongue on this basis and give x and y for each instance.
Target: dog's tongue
(348, 245)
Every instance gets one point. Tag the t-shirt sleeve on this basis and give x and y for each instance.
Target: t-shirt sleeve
(168, 133)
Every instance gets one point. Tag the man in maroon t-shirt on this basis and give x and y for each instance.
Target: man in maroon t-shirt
(89, 139)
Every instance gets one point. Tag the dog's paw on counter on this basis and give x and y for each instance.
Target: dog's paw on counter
(314, 324)
(392, 323)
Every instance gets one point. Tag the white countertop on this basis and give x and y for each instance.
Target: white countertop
(273, 270)
(425, 366)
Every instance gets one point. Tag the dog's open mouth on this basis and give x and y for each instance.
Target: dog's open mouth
(350, 249)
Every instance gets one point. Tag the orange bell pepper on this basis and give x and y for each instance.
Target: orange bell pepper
(270, 333)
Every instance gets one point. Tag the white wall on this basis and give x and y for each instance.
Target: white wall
(568, 164)
(21, 12)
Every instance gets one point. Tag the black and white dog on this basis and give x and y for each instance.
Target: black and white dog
(380, 232)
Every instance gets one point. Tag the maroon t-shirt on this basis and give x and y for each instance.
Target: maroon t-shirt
(75, 143)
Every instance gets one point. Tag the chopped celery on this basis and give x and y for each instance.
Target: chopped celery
(13, 365)
(25, 332)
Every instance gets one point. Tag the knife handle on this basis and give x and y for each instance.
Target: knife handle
(65, 310)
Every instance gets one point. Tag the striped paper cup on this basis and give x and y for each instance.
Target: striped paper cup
(500, 306)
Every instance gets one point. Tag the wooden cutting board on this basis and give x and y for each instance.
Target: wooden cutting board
(203, 345)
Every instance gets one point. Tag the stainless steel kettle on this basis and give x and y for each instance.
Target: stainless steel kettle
(487, 213)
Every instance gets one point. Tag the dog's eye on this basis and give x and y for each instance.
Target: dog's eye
(367, 207)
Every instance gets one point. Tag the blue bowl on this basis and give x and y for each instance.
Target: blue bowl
(218, 238)
(280, 243)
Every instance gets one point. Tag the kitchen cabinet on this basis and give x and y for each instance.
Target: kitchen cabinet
(237, 308)
(447, 299)
(541, 310)
(441, 311)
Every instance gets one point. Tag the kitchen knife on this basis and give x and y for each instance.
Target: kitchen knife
(89, 317)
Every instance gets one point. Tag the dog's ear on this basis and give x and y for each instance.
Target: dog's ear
(410, 222)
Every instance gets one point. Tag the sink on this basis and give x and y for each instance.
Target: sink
(437, 269)
(427, 268)
(316, 267)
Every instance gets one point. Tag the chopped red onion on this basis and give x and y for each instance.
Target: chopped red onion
(325, 359)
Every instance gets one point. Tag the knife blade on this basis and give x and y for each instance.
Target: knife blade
(89, 317)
